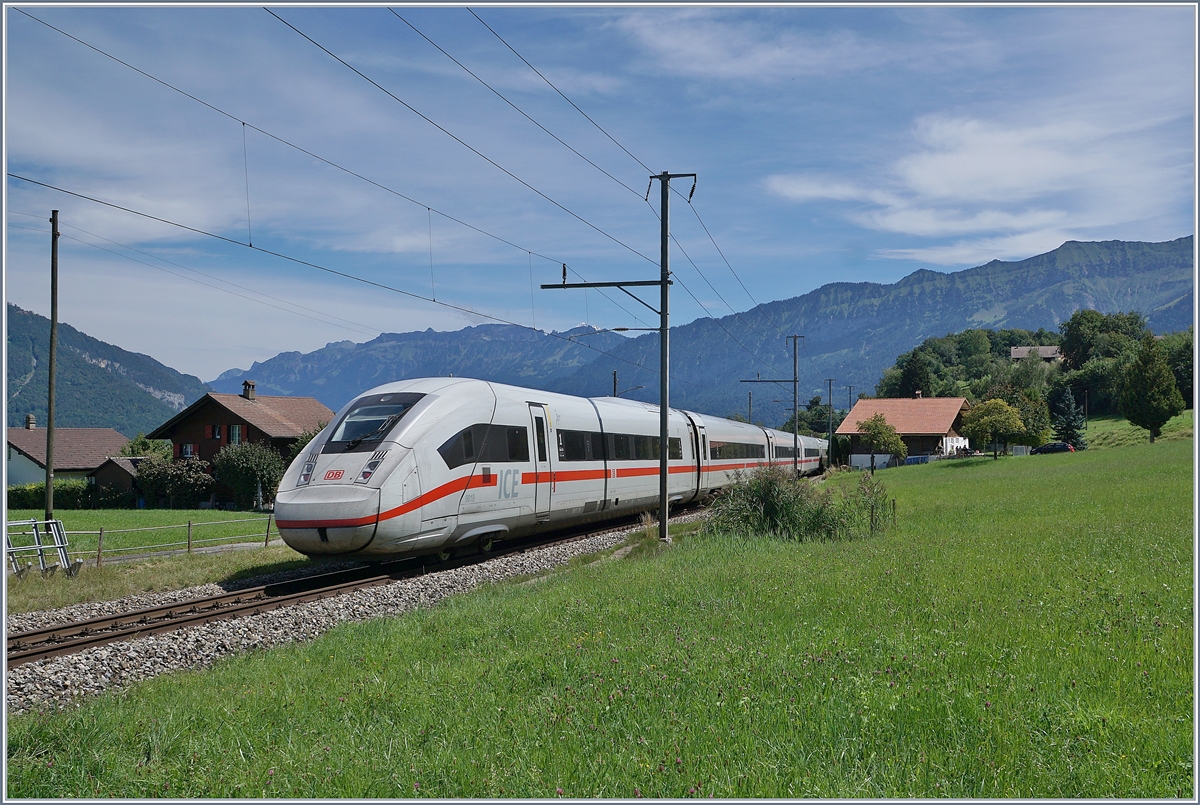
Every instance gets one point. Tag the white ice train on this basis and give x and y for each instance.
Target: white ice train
(438, 464)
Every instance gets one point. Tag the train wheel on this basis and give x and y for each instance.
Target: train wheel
(486, 544)
(444, 555)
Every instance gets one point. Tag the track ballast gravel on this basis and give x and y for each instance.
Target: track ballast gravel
(63, 680)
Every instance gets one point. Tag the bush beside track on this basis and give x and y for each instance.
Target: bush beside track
(1025, 629)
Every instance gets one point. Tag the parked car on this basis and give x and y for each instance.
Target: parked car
(1053, 447)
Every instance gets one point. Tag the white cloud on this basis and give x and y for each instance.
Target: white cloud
(1017, 186)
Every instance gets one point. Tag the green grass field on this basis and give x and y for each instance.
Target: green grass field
(252, 528)
(1115, 431)
(1025, 630)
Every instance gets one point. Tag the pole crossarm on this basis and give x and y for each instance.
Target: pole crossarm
(621, 286)
(785, 380)
(554, 285)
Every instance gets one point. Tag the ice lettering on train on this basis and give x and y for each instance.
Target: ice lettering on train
(509, 480)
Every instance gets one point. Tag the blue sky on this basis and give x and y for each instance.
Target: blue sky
(831, 144)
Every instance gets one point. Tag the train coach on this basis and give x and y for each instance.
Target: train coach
(440, 464)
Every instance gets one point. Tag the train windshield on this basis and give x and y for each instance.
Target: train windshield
(368, 421)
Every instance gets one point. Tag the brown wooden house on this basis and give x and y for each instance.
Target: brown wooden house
(927, 426)
(216, 420)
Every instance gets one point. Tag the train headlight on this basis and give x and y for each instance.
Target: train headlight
(369, 468)
(310, 464)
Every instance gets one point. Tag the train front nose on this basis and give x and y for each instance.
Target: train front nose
(327, 519)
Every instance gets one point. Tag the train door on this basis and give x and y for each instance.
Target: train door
(694, 442)
(541, 461)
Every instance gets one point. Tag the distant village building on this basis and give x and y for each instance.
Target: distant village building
(117, 473)
(216, 420)
(1048, 354)
(77, 451)
(927, 426)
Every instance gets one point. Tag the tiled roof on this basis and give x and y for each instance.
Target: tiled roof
(74, 448)
(128, 464)
(1016, 353)
(932, 415)
(278, 417)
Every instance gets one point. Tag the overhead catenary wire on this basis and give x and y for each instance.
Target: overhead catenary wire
(523, 113)
(335, 272)
(564, 97)
(460, 141)
(318, 157)
(246, 165)
(631, 156)
(193, 271)
(558, 139)
(198, 282)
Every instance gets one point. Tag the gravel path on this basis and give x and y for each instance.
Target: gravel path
(62, 680)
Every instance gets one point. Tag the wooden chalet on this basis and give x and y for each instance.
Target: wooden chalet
(216, 420)
(928, 426)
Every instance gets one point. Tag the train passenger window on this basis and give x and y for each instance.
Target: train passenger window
(541, 437)
(728, 450)
(674, 448)
(812, 452)
(518, 443)
(368, 421)
(784, 452)
(573, 445)
(645, 448)
(619, 447)
(596, 448)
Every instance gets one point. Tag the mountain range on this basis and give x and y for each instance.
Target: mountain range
(852, 332)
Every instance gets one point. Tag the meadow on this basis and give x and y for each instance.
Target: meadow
(170, 526)
(1025, 630)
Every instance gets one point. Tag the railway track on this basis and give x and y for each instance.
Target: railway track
(54, 641)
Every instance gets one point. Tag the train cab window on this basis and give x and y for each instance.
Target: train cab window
(494, 444)
(368, 421)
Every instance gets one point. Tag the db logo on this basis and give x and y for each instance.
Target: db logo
(334, 475)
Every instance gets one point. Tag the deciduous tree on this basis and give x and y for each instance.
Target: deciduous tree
(991, 420)
(881, 437)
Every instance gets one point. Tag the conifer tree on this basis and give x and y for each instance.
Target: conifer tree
(1149, 396)
(1068, 421)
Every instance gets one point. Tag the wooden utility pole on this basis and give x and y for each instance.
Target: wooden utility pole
(53, 356)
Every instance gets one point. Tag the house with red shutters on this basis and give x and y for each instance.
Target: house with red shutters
(216, 420)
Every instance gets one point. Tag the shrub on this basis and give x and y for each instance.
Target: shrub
(771, 502)
(69, 493)
(178, 484)
(246, 468)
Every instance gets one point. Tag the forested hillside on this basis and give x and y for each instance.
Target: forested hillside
(98, 385)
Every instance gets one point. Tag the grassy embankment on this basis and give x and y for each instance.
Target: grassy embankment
(1115, 431)
(1025, 630)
